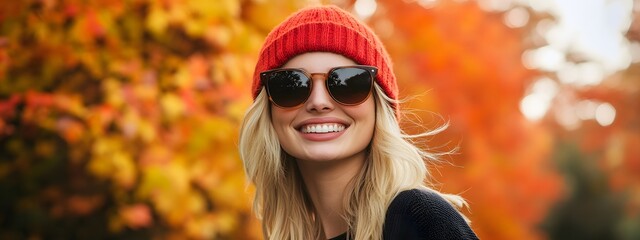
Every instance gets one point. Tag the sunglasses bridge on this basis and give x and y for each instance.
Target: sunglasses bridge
(325, 75)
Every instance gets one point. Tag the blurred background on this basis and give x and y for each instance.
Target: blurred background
(119, 119)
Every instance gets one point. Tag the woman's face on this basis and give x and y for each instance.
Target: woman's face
(354, 124)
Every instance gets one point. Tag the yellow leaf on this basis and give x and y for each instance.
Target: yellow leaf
(155, 182)
(236, 109)
(147, 131)
(178, 13)
(112, 89)
(232, 185)
(146, 92)
(194, 203)
(219, 9)
(157, 21)
(218, 35)
(181, 78)
(177, 172)
(226, 221)
(99, 163)
(202, 227)
(124, 169)
(195, 28)
(172, 106)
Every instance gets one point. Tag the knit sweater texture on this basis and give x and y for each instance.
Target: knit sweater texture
(422, 214)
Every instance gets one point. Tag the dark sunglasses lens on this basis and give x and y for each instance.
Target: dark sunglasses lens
(288, 88)
(349, 85)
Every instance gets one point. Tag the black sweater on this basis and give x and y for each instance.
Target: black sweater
(420, 214)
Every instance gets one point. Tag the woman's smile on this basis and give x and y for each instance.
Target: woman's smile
(322, 128)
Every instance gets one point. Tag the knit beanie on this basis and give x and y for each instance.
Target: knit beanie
(325, 29)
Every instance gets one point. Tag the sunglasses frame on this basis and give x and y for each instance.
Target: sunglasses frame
(373, 71)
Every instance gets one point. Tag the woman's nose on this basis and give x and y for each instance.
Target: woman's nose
(319, 99)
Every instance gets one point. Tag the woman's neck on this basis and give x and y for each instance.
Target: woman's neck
(327, 183)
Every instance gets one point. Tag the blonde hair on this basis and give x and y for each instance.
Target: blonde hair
(394, 163)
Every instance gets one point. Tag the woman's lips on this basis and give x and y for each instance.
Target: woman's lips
(318, 137)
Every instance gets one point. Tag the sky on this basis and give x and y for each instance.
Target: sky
(585, 45)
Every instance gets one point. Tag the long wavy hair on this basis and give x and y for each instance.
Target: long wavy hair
(394, 163)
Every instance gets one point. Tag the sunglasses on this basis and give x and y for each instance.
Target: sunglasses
(291, 87)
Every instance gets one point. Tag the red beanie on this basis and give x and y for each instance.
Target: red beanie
(325, 29)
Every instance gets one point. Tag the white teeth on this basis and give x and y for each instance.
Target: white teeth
(323, 128)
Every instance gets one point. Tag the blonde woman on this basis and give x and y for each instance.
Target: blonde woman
(322, 143)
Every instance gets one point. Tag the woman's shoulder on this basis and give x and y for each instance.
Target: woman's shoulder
(421, 201)
(421, 197)
(424, 214)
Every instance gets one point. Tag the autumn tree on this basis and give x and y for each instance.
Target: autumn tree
(119, 118)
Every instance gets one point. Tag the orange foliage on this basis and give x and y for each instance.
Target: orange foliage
(464, 63)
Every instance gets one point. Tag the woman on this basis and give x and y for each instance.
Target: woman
(322, 143)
